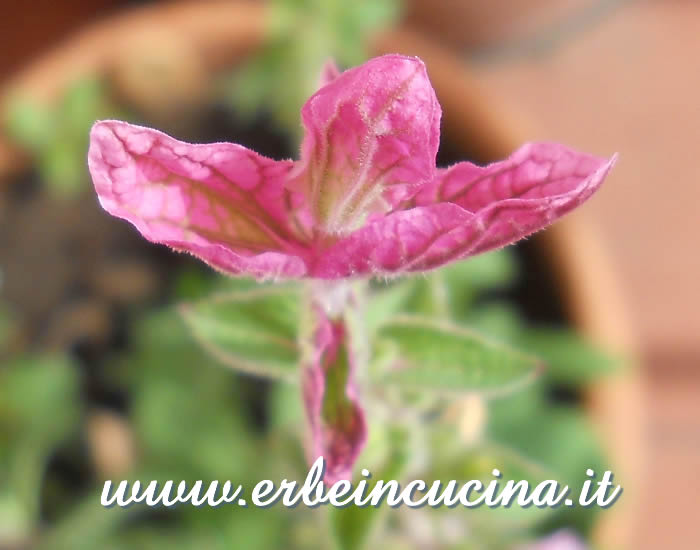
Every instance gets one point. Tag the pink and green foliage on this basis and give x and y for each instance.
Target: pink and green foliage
(364, 199)
(337, 422)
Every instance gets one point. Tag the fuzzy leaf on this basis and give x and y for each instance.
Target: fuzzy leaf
(441, 357)
(252, 331)
(570, 358)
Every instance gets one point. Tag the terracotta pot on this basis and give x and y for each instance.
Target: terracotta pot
(216, 34)
(487, 26)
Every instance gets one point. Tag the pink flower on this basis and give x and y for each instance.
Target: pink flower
(364, 199)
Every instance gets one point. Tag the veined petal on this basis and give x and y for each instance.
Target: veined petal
(371, 139)
(468, 210)
(221, 202)
(491, 207)
(337, 421)
(548, 175)
(409, 240)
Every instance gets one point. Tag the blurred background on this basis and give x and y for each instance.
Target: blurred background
(599, 75)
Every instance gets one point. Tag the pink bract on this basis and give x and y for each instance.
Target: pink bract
(336, 419)
(364, 199)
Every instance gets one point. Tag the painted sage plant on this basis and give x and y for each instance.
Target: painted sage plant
(364, 200)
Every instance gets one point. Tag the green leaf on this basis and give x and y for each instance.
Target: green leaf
(285, 410)
(447, 292)
(61, 168)
(498, 319)
(86, 526)
(386, 300)
(38, 397)
(477, 463)
(219, 443)
(197, 282)
(188, 415)
(442, 357)
(562, 438)
(252, 331)
(57, 134)
(352, 526)
(38, 411)
(570, 358)
(83, 102)
(452, 290)
(29, 122)
(493, 270)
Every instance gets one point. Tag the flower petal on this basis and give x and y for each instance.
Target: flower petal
(409, 240)
(482, 209)
(548, 175)
(221, 202)
(371, 139)
(337, 421)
